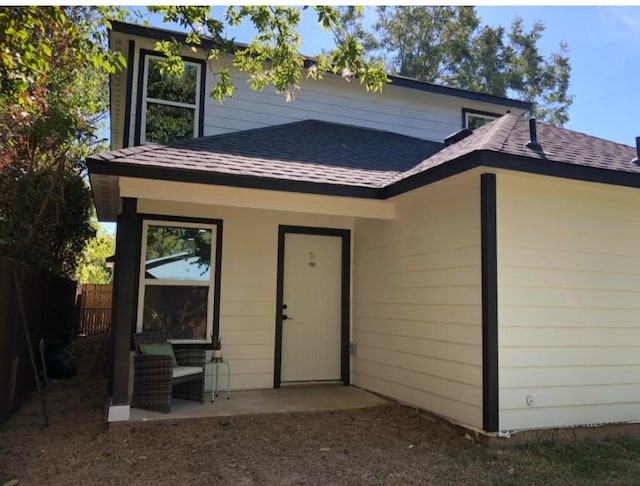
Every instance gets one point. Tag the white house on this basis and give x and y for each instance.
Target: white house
(491, 277)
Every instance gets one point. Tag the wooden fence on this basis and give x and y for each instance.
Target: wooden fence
(49, 304)
(95, 309)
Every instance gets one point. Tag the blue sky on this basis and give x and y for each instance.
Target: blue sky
(605, 61)
(603, 50)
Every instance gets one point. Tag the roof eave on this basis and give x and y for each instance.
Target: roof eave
(103, 167)
(459, 93)
(479, 158)
(565, 170)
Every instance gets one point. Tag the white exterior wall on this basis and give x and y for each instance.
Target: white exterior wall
(569, 302)
(399, 110)
(248, 284)
(406, 111)
(417, 322)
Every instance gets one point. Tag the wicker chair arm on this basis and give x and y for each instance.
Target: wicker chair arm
(152, 378)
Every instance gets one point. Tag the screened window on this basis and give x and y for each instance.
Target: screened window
(476, 119)
(169, 103)
(177, 279)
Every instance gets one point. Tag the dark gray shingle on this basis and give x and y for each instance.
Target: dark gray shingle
(343, 155)
(310, 151)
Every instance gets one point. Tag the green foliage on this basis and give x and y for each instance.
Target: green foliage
(54, 63)
(92, 263)
(165, 123)
(53, 92)
(448, 45)
(45, 218)
(181, 88)
(272, 57)
(167, 241)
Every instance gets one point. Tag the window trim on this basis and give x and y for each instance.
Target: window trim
(141, 95)
(487, 115)
(213, 300)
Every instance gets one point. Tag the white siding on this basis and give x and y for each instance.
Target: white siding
(417, 301)
(248, 287)
(400, 110)
(569, 302)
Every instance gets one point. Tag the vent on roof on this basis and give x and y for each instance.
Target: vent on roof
(457, 136)
(533, 137)
(637, 158)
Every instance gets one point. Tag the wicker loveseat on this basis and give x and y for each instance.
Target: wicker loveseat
(155, 378)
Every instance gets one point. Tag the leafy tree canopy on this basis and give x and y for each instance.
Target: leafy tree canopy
(448, 45)
(92, 267)
(272, 57)
(54, 63)
(53, 72)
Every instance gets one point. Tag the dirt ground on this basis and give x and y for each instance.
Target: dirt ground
(386, 445)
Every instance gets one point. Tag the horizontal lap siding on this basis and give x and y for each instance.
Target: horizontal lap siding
(411, 112)
(398, 110)
(417, 301)
(569, 302)
(248, 288)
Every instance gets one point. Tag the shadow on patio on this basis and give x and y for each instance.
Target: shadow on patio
(283, 400)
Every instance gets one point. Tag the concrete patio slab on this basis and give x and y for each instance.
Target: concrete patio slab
(295, 399)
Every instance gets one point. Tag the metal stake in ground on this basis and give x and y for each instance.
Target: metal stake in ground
(23, 316)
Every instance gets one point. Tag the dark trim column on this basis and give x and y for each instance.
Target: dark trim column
(489, 302)
(345, 310)
(125, 293)
(129, 93)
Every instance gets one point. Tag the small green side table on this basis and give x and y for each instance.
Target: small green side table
(215, 365)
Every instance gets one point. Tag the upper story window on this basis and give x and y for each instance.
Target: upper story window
(170, 107)
(475, 119)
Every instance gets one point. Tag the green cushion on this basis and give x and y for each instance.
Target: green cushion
(164, 349)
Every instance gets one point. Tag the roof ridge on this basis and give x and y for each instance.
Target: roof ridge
(497, 133)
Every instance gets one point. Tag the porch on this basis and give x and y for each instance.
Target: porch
(283, 400)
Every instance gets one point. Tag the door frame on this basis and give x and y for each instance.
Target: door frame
(345, 293)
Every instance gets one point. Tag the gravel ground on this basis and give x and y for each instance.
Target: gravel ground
(387, 445)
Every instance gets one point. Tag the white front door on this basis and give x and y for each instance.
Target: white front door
(311, 314)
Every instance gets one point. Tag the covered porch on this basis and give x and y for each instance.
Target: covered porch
(266, 223)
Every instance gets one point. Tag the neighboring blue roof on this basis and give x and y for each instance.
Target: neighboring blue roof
(179, 266)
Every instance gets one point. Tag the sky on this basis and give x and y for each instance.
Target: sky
(604, 55)
(605, 62)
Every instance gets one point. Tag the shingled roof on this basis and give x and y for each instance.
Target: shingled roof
(307, 151)
(509, 135)
(329, 158)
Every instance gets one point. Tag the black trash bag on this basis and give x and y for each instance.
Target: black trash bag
(59, 363)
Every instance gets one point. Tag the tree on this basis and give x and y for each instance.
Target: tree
(92, 267)
(448, 45)
(54, 63)
(272, 57)
(53, 72)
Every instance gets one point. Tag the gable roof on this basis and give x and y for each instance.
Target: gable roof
(328, 158)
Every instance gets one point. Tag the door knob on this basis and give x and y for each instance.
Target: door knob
(285, 317)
